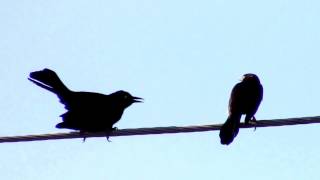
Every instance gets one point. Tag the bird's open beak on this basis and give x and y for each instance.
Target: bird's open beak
(137, 100)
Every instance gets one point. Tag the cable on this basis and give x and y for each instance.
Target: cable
(159, 130)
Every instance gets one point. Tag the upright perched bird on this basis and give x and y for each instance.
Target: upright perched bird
(245, 98)
(87, 111)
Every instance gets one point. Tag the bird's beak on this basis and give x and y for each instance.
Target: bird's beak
(137, 100)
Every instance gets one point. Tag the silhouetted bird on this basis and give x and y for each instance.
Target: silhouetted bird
(245, 98)
(87, 111)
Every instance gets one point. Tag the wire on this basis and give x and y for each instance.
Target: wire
(159, 130)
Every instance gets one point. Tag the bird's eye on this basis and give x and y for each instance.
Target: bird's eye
(125, 97)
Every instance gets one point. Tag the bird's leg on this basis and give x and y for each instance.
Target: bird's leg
(83, 133)
(108, 132)
(252, 122)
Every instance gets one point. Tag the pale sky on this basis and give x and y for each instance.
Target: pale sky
(183, 58)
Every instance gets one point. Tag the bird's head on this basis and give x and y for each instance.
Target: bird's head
(125, 99)
(249, 77)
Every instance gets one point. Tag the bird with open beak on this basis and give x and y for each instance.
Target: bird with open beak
(86, 111)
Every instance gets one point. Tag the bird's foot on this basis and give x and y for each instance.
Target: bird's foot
(83, 134)
(252, 122)
(107, 136)
(108, 132)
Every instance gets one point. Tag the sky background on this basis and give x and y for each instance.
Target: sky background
(183, 58)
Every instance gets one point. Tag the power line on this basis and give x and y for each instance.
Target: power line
(159, 130)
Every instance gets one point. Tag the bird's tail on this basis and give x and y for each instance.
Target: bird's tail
(230, 129)
(50, 81)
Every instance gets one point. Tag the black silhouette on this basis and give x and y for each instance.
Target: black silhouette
(245, 98)
(87, 111)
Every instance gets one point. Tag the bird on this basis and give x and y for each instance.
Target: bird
(86, 111)
(245, 99)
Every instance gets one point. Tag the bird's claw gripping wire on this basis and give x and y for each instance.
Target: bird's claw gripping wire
(83, 134)
(253, 122)
(108, 132)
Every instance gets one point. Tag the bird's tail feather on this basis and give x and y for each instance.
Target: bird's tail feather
(230, 129)
(48, 80)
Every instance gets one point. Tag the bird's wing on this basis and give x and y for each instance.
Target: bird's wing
(237, 98)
